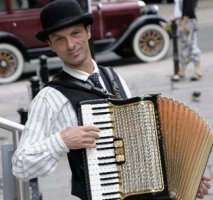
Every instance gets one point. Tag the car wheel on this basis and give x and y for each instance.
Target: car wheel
(11, 63)
(151, 43)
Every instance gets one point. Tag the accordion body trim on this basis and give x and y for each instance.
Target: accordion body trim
(149, 148)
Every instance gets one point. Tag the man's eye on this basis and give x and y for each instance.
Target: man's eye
(75, 32)
(58, 39)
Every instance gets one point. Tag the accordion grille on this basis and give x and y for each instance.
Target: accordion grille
(136, 124)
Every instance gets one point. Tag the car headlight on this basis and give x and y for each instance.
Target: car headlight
(154, 8)
(142, 6)
(151, 9)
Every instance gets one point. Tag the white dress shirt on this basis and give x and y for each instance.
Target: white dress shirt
(41, 146)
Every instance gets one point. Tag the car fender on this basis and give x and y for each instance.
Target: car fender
(134, 26)
(6, 37)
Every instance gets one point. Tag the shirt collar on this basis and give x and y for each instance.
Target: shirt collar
(81, 75)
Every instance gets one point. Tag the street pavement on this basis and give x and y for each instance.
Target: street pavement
(142, 78)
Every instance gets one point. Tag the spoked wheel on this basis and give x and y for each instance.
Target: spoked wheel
(151, 43)
(11, 63)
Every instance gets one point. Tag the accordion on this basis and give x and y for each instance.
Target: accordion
(150, 147)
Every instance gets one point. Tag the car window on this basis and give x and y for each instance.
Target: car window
(27, 4)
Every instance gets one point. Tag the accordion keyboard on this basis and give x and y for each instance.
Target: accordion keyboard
(102, 167)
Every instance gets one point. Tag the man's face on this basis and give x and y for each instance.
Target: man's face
(71, 44)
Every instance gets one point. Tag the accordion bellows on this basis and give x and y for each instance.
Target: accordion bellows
(149, 148)
(188, 141)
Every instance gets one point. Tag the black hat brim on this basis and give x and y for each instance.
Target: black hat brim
(86, 18)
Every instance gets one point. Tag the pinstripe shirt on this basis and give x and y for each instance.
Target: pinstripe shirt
(41, 146)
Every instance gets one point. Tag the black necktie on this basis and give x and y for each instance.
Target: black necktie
(95, 80)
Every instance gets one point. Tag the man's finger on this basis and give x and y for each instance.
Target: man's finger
(91, 128)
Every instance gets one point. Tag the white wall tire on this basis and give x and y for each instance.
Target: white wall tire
(151, 43)
(11, 63)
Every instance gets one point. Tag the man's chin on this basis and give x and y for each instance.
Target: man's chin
(74, 62)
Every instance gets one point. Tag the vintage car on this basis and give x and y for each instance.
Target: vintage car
(126, 27)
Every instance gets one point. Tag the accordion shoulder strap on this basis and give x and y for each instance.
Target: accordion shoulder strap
(113, 79)
(65, 80)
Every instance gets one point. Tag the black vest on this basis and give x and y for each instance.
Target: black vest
(77, 93)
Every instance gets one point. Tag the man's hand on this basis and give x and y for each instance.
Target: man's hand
(203, 188)
(80, 137)
(183, 27)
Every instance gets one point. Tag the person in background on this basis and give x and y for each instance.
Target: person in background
(52, 131)
(184, 13)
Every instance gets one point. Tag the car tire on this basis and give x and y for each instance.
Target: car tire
(11, 63)
(151, 43)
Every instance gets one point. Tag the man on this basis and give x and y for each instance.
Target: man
(52, 129)
(188, 29)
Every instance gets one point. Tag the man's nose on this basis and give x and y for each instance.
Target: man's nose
(70, 43)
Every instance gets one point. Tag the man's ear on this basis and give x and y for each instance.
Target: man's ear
(50, 45)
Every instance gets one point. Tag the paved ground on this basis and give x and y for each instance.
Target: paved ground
(141, 78)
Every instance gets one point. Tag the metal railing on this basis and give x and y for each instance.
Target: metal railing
(22, 187)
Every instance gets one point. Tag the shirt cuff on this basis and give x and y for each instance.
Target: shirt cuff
(56, 146)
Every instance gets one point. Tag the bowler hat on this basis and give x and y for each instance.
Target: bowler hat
(60, 14)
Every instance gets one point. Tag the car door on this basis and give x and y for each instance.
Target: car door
(112, 18)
